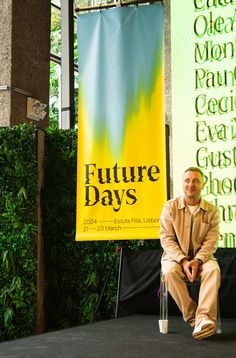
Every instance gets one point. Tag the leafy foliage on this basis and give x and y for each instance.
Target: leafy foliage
(18, 192)
(54, 94)
(75, 271)
(55, 69)
(55, 34)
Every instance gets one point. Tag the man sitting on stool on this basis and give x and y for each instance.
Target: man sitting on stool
(189, 234)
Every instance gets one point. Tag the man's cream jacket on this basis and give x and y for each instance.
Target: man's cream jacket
(175, 227)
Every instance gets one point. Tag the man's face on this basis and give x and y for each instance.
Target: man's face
(192, 185)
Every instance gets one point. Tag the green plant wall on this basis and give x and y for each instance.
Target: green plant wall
(18, 194)
(75, 272)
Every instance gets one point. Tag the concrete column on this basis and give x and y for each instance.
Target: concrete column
(24, 58)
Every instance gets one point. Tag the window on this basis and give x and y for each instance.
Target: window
(55, 65)
(63, 66)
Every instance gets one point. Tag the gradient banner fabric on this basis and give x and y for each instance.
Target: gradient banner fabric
(121, 180)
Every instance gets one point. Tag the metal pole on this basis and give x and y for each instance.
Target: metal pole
(116, 4)
(40, 320)
(119, 279)
(67, 64)
(104, 286)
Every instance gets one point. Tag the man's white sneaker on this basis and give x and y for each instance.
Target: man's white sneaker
(204, 329)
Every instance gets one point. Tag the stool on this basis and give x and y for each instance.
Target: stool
(163, 296)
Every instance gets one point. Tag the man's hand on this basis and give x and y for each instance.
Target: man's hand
(190, 268)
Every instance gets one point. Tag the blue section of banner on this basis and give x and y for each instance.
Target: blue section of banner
(121, 59)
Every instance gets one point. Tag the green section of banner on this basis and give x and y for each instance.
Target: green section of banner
(121, 182)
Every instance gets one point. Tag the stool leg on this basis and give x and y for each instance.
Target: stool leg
(218, 329)
(163, 321)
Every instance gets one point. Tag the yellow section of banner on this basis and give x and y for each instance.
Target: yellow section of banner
(122, 199)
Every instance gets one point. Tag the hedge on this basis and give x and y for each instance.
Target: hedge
(75, 272)
(18, 195)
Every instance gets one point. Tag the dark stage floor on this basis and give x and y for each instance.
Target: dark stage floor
(131, 337)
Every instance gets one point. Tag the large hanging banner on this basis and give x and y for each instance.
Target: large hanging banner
(203, 55)
(121, 181)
